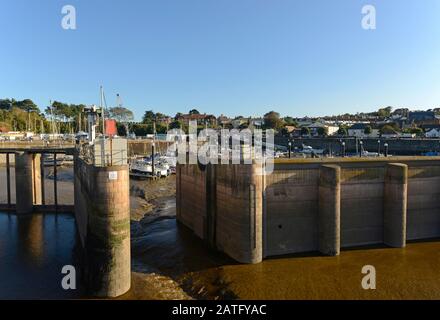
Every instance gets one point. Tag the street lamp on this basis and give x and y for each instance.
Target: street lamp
(378, 150)
(386, 149)
(290, 148)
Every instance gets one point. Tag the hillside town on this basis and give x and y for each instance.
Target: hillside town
(24, 120)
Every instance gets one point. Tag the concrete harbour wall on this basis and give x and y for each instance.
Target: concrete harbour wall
(102, 211)
(311, 205)
(28, 182)
(396, 146)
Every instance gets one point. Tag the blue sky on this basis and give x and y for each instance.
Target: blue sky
(236, 57)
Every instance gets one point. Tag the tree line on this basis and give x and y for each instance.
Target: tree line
(26, 115)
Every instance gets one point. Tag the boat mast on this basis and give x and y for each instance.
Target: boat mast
(103, 112)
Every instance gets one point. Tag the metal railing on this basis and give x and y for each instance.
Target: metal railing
(104, 153)
(56, 207)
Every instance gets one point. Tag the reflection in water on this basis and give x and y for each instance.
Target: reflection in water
(33, 250)
(30, 241)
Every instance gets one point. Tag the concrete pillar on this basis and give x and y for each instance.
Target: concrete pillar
(211, 204)
(329, 216)
(239, 208)
(395, 204)
(107, 245)
(178, 191)
(36, 179)
(256, 213)
(27, 181)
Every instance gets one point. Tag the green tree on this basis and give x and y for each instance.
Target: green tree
(149, 117)
(26, 105)
(141, 129)
(368, 130)
(323, 131)
(415, 130)
(176, 124)
(388, 129)
(5, 104)
(305, 131)
(384, 112)
(272, 120)
(178, 115)
(290, 121)
(161, 128)
(61, 111)
(122, 115)
(194, 111)
(343, 131)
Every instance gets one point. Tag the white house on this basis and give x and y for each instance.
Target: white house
(433, 133)
(256, 122)
(358, 130)
(330, 129)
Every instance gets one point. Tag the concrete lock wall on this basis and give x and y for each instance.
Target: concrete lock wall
(329, 212)
(311, 205)
(423, 206)
(395, 204)
(191, 198)
(239, 211)
(235, 192)
(102, 210)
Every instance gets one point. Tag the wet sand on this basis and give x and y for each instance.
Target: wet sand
(169, 262)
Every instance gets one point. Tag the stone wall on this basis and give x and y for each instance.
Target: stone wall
(102, 210)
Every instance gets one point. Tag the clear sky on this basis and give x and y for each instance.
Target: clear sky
(236, 57)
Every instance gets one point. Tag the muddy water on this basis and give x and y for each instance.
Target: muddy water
(169, 262)
(411, 273)
(161, 245)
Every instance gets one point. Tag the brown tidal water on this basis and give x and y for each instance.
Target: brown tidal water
(170, 249)
(169, 262)
(410, 273)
